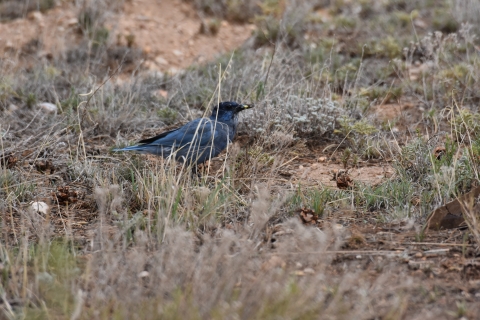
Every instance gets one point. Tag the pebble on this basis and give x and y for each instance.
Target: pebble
(39, 207)
(178, 53)
(72, 22)
(309, 270)
(9, 45)
(419, 265)
(160, 60)
(36, 15)
(337, 226)
(12, 108)
(48, 107)
(172, 71)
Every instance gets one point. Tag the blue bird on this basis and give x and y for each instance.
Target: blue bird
(197, 141)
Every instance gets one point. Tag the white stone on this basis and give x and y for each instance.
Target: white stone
(48, 107)
(178, 53)
(160, 60)
(12, 108)
(72, 22)
(39, 207)
(143, 274)
(37, 15)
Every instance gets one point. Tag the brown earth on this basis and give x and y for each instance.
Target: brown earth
(168, 33)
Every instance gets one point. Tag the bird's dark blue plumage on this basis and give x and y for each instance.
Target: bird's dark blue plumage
(198, 140)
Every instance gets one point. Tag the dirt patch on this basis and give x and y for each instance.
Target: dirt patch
(403, 116)
(322, 173)
(316, 167)
(40, 34)
(168, 32)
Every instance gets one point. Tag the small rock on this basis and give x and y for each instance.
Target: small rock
(150, 65)
(143, 274)
(71, 22)
(273, 262)
(39, 207)
(161, 61)
(155, 74)
(61, 145)
(420, 23)
(178, 53)
(12, 108)
(161, 93)
(48, 107)
(337, 226)
(358, 256)
(419, 265)
(36, 15)
(172, 71)
(322, 159)
(309, 271)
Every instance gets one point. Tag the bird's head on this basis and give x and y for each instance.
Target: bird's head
(226, 111)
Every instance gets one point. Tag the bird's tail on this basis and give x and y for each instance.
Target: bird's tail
(138, 148)
(148, 148)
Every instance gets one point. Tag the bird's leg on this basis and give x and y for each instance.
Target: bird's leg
(195, 171)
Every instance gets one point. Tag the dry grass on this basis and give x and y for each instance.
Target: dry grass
(146, 239)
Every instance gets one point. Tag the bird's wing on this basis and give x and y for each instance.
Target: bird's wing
(201, 130)
(153, 139)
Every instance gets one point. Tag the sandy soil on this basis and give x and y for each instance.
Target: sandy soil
(168, 33)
